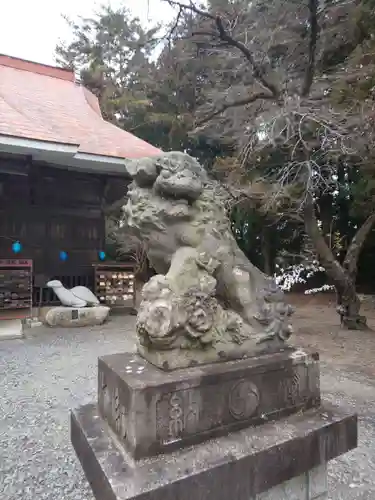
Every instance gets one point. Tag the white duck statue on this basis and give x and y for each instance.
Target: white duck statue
(79, 296)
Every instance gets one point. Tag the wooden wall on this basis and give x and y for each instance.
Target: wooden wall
(50, 210)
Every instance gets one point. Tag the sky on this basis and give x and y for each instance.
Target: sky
(30, 29)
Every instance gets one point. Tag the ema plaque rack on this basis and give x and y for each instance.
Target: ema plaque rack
(115, 285)
(16, 288)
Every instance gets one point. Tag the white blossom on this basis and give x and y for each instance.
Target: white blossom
(299, 274)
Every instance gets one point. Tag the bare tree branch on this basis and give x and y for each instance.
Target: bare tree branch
(258, 72)
(233, 104)
(174, 27)
(225, 36)
(314, 32)
(192, 8)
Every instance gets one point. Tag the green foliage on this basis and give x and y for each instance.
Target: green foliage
(111, 54)
(153, 98)
(358, 82)
(262, 238)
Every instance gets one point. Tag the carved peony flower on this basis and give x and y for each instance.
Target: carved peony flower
(199, 322)
(201, 310)
(156, 323)
(157, 287)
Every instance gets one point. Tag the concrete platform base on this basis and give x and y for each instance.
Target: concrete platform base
(282, 460)
(11, 329)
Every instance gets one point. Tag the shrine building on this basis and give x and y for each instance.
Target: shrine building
(61, 164)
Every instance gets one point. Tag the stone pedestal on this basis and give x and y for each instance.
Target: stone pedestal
(247, 429)
(153, 411)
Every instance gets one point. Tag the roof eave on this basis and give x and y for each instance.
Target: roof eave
(65, 155)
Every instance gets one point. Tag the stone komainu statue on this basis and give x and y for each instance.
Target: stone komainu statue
(208, 303)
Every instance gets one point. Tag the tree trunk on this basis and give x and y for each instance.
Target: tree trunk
(348, 307)
(325, 215)
(343, 277)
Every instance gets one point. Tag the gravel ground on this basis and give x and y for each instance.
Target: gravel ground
(51, 371)
(41, 378)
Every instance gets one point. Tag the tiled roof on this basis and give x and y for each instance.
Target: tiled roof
(45, 103)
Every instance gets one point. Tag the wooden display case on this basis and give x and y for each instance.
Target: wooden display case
(115, 285)
(16, 288)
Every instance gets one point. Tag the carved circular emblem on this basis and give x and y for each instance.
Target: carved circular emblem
(243, 399)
